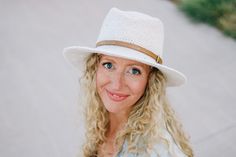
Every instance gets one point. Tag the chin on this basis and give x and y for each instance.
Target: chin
(111, 109)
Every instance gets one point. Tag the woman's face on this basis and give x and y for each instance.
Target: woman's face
(120, 82)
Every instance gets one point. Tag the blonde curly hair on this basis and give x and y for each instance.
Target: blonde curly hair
(151, 112)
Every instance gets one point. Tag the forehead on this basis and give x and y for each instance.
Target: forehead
(122, 60)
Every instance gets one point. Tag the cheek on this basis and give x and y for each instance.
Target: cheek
(101, 79)
(138, 87)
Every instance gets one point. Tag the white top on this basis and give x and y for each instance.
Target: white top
(159, 150)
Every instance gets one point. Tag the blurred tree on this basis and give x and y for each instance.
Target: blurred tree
(218, 13)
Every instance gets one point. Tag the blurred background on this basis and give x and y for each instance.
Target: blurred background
(40, 114)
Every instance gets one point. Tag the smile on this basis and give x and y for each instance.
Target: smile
(116, 96)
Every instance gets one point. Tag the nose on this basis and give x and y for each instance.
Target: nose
(118, 80)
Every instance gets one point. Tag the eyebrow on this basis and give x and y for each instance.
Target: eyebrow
(129, 64)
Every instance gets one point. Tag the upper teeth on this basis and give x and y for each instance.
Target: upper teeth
(116, 96)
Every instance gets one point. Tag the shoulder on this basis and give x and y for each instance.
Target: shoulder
(162, 149)
(158, 150)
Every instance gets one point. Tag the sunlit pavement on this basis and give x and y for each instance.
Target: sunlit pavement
(39, 113)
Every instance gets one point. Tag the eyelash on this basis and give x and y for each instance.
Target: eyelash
(105, 64)
(136, 69)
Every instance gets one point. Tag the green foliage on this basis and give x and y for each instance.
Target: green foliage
(219, 13)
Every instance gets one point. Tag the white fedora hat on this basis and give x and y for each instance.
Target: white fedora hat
(130, 35)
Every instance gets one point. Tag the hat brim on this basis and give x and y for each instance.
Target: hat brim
(75, 56)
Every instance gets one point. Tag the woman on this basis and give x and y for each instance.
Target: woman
(127, 113)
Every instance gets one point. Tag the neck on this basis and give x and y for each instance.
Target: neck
(117, 122)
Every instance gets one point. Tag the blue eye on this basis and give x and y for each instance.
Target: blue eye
(135, 71)
(107, 65)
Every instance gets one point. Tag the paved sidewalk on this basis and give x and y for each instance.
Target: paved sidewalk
(39, 115)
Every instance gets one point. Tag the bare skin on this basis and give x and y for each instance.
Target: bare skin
(117, 122)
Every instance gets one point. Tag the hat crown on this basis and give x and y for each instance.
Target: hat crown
(133, 27)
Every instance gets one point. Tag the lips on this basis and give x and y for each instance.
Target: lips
(116, 96)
